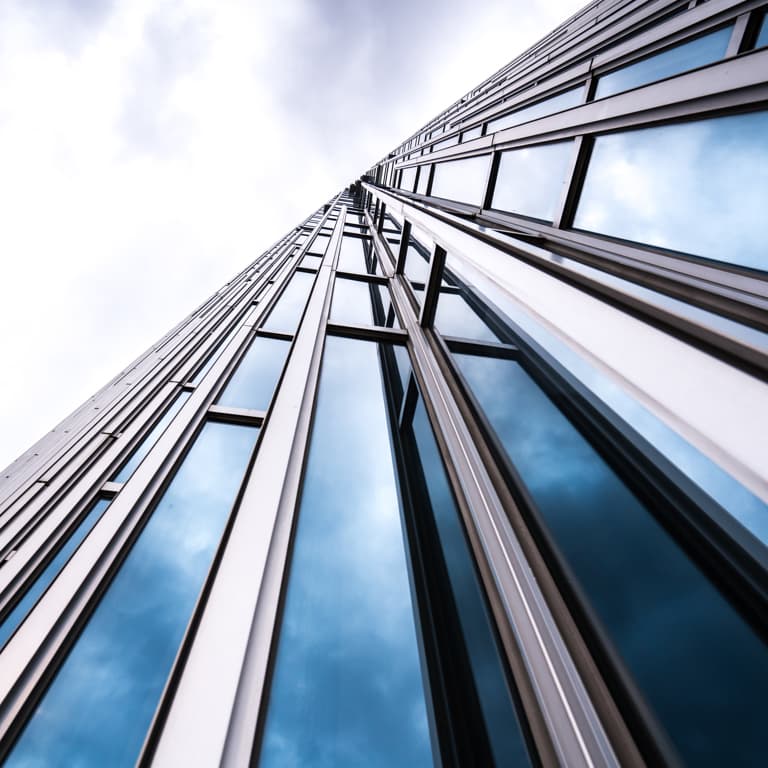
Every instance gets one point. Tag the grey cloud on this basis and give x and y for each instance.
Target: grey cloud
(173, 46)
(66, 24)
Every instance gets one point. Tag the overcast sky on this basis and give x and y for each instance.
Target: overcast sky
(149, 150)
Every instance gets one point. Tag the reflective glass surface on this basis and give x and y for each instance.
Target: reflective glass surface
(351, 255)
(698, 663)
(695, 53)
(423, 182)
(290, 306)
(98, 707)
(697, 187)
(540, 109)
(351, 302)
(762, 35)
(347, 688)
(472, 133)
(255, 377)
(319, 244)
(461, 180)
(50, 572)
(530, 180)
(311, 261)
(454, 317)
(416, 267)
(146, 444)
(408, 178)
(470, 648)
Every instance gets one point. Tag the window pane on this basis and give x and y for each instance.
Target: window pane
(696, 187)
(472, 133)
(138, 455)
(473, 652)
(351, 255)
(351, 302)
(408, 178)
(454, 317)
(50, 572)
(530, 180)
(762, 35)
(319, 244)
(695, 53)
(542, 108)
(461, 180)
(97, 709)
(701, 668)
(287, 312)
(347, 688)
(416, 267)
(421, 187)
(255, 377)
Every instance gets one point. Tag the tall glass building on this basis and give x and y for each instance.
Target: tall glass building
(469, 469)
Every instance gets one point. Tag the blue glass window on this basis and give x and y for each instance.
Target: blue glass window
(347, 688)
(98, 707)
(461, 180)
(699, 665)
(467, 643)
(455, 317)
(530, 180)
(762, 35)
(549, 106)
(695, 53)
(50, 572)
(146, 444)
(697, 187)
(290, 305)
(256, 375)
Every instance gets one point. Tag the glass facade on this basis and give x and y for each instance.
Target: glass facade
(648, 185)
(508, 506)
(695, 53)
(530, 181)
(97, 709)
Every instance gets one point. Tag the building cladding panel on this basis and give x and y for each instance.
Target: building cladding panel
(468, 469)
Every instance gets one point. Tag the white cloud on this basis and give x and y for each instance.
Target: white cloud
(150, 150)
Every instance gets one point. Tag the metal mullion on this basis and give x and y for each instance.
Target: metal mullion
(85, 432)
(722, 288)
(51, 628)
(699, 424)
(363, 277)
(405, 239)
(232, 415)
(36, 644)
(379, 333)
(727, 84)
(432, 287)
(242, 608)
(565, 726)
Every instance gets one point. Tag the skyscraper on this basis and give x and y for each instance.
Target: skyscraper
(468, 469)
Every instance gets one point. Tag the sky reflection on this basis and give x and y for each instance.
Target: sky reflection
(701, 668)
(347, 688)
(697, 187)
(97, 709)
